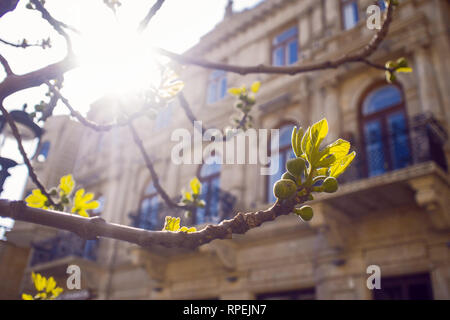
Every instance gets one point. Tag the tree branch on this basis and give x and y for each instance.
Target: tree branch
(6, 66)
(20, 45)
(57, 25)
(7, 5)
(15, 83)
(90, 228)
(190, 115)
(359, 56)
(153, 10)
(91, 124)
(17, 136)
(154, 175)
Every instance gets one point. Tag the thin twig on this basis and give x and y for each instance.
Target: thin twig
(153, 10)
(190, 115)
(57, 25)
(20, 45)
(18, 138)
(148, 162)
(359, 56)
(91, 124)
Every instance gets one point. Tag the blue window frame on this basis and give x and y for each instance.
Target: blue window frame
(350, 16)
(148, 213)
(285, 47)
(43, 151)
(282, 155)
(385, 131)
(209, 176)
(217, 86)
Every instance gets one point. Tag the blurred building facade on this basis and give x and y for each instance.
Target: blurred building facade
(393, 206)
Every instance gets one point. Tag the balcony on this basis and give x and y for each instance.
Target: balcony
(421, 142)
(64, 245)
(226, 202)
(410, 169)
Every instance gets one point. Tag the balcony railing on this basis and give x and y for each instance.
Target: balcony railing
(422, 141)
(226, 202)
(63, 245)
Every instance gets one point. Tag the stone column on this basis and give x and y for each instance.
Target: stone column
(428, 90)
(332, 112)
(317, 106)
(440, 282)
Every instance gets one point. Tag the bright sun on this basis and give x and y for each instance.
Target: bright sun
(114, 59)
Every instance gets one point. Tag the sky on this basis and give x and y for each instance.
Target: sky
(105, 39)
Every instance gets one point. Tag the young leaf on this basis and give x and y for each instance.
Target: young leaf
(319, 131)
(294, 142)
(404, 70)
(196, 186)
(340, 165)
(305, 139)
(171, 224)
(339, 149)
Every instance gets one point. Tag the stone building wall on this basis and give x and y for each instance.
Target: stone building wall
(403, 224)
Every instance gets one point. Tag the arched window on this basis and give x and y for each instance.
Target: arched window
(148, 213)
(209, 176)
(385, 130)
(282, 155)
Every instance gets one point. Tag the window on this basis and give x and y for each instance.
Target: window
(43, 151)
(385, 131)
(382, 5)
(148, 213)
(209, 176)
(217, 86)
(285, 48)
(349, 13)
(413, 287)
(282, 155)
(305, 294)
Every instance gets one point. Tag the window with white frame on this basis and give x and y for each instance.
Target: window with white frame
(285, 47)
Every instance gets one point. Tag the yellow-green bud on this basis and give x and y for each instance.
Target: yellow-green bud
(402, 63)
(288, 176)
(391, 65)
(284, 188)
(330, 185)
(305, 213)
(296, 166)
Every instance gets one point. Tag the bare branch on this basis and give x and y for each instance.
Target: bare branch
(15, 83)
(17, 136)
(359, 56)
(153, 10)
(57, 25)
(7, 5)
(90, 228)
(190, 115)
(20, 45)
(91, 124)
(6, 66)
(154, 175)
